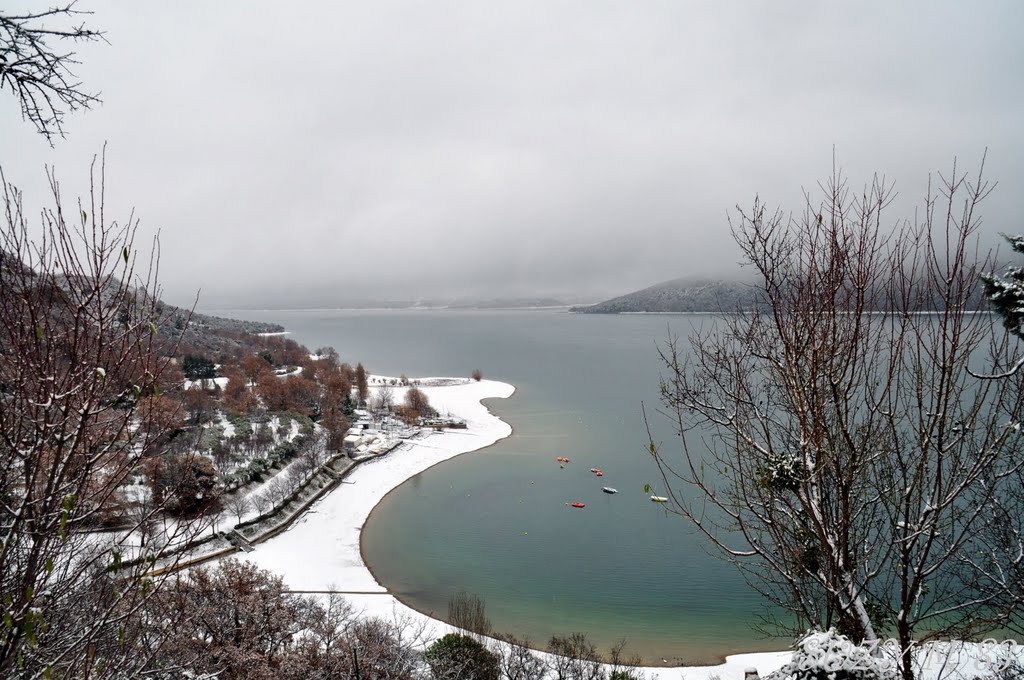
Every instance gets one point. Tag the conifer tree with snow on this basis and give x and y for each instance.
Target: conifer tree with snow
(1006, 293)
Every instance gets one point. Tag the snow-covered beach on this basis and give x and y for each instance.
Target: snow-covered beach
(321, 552)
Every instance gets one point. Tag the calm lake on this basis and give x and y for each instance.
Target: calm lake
(496, 522)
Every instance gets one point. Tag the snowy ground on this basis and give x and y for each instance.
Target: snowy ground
(321, 551)
(207, 383)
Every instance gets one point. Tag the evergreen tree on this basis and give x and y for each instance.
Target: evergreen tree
(1006, 293)
(361, 385)
(461, 657)
(198, 368)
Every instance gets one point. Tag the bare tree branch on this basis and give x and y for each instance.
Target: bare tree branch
(835, 446)
(82, 361)
(38, 72)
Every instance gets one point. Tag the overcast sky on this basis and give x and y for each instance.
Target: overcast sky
(308, 154)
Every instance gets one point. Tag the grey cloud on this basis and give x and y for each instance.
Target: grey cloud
(404, 150)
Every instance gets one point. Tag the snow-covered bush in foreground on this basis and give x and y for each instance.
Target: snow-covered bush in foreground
(1013, 669)
(830, 656)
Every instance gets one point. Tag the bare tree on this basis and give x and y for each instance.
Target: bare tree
(261, 503)
(80, 355)
(620, 664)
(239, 621)
(239, 504)
(468, 612)
(324, 649)
(995, 557)
(279, 488)
(37, 71)
(384, 399)
(835, 445)
(310, 457)
(221, 454)
(574, 657)
(385, 650)
(517, 661)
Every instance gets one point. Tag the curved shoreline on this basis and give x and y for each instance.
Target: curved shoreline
(308, 563)
(324, 546)
(362, 555)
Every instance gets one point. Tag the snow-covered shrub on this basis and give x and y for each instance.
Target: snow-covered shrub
(284, 426)
(1005, 669)
(621, 675)
(827, 655)
(782, 472)
(243, 428)
(210, 437)
(1006, 292)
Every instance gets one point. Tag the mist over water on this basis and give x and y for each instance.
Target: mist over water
(496, 522)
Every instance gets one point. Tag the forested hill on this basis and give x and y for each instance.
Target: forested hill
(204, 334)
(208, 323)
(689, 295)
(201, 333)
(679, 295)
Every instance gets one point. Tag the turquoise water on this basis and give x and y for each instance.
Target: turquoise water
(496, 523)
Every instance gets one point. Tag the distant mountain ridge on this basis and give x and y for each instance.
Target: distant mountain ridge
(462, 303)
(506, 303)
(691, 295)
(681, 295)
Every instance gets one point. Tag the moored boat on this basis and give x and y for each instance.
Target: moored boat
(659, 499)
(577, 504)
(608, 489)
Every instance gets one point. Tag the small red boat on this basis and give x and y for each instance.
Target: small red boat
(595, 469)
(563, 459)
(577, 504)
(599, 474)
